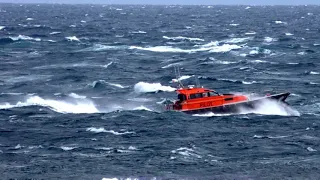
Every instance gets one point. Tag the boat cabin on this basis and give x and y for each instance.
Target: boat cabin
(195, 93)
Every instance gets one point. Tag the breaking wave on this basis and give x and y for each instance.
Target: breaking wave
(23, 37)
(211, 47)
(237, 40)
(101, 47)
(61, 106)
(182, 38)
(271, 107)
(144, 87)
(102, 130)
(72, 38)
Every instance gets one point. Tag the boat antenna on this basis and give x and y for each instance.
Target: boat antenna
(197, 81)
(178, 76)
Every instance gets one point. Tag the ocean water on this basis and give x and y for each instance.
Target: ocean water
(82, 90)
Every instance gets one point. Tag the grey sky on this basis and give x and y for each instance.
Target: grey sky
(188, 2)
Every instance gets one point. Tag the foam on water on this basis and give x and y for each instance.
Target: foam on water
(183, 38)
(116, 85)
(142, 108)
(139, 32)
(76, 96)
(314, 73)
(144, 87)
(72, 38)
(225, 48)
(55, 32)
(101, 47)
(2, 27)
(237, 40)
(102, 130)
(270, 39)
(161, 49)
(224, 62)
(170, 65)
(23, 37)
(310, 149)
(67, 148)
(271, 107)
(250, 33)
(61, 106)
(211, 47)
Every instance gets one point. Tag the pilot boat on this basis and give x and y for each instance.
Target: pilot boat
(195, 100)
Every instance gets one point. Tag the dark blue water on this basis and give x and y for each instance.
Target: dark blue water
(82, 90)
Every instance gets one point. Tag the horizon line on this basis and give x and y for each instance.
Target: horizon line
(142, 4)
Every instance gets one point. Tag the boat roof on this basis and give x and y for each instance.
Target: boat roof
(191, 90)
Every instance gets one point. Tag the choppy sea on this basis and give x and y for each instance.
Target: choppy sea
(82, 90)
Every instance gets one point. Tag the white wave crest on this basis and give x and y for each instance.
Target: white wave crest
(170, 65)
(76, 96)
(314, 73)
(270, 39)
(250, 33)
(23, 37)
(280, 22)
(116, 85)
(66, 148)
(29, 19)
(183, 38)
(139, 32)
(107, 65)
(246, 82)
(224, 62)
(289, 34)
(142, 108)
(225, 48)
(84, 106)
(102, 130)
(161, 49)
(2, 27)
(210, 44)
(211, 47)
(72, 38)
(101, 47)
(55, 32)
(144, 87)
(234, 24)
(237, 40)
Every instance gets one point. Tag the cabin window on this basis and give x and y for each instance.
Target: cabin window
(195, 96)
(182, 97)
(213, 93)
